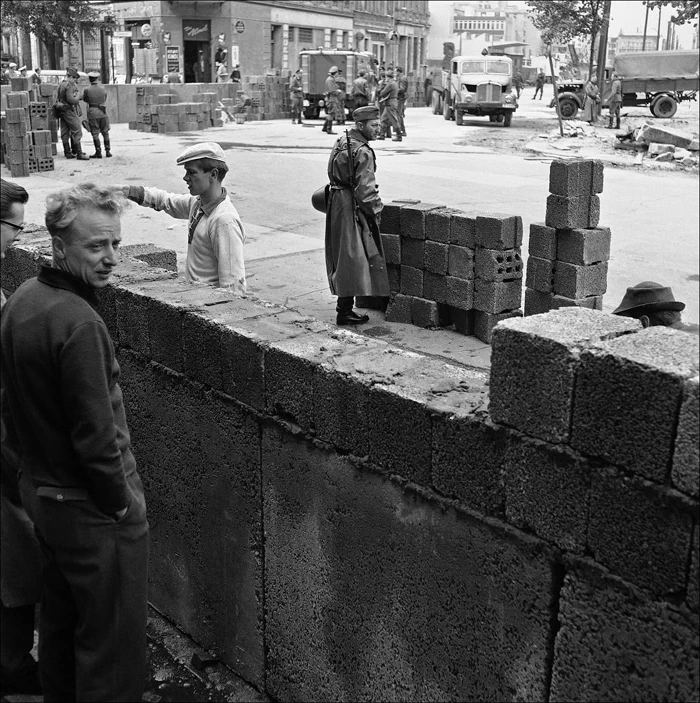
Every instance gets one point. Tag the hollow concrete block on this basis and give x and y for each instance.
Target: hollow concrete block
(498, 265)
(425, 313)
(165, 333)
(437, 225)
(435, 257)
(201, 343)
(390, 221)
(594, 302)
(497, 297)
(534, 361)
(546, 492)
(499, 231)
(460, 293)
(435, 287)
(583, 246)
(392, 248)
(613, 416)
(565, 178)
(460, 262)
(572, 281)
(572, 212)
(463, 229)
(592, 172)
(399, 309)
(608, 642)
(686, 454)
(463, 320)
(537, 302)
(543, 241)
(640, 531)
(412, 219)
(413, 253)
(539, 274)
(485, 322)
(412, 281)
(132, 320)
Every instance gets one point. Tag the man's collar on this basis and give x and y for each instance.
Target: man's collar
(210, 207)
(58, 278)
(357, 135)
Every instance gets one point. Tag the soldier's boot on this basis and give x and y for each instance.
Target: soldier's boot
(617, 122)
(108, 153)
(328, 126)
(610, 121)
(79, 152)
(98, 149)
(67, 151)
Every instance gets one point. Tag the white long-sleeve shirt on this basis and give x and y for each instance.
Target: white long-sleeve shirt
(215, 252)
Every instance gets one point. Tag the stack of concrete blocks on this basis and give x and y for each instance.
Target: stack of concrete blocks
(269, 97)
(164, 113)
(568, 255)
(451, 267)
(28, 143)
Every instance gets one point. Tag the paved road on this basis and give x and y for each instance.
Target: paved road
(276, 166)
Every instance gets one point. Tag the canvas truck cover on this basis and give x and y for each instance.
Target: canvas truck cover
(657, 64)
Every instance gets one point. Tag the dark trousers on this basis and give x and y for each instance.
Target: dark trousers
(538, 89)
(71, 130)
(92, 631)
(297, 107)
(16, 641)
(400, 113)
(345, 304)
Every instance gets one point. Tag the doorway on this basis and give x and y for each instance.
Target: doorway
(191, 55)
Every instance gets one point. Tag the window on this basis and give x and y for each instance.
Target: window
(472, 66)
(499, 67)
(306, 35)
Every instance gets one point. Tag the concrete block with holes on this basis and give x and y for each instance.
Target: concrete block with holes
(498, 265)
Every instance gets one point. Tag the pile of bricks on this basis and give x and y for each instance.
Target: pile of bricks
(29, 130)
(448, 267)
(164, 113)
(269, 97)
(568, 255)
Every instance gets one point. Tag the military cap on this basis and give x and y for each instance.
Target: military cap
(93, 75)
(13, 65)
(22, 68)
(203, 150)
(333, 69)
(72, 73)
(362, 114)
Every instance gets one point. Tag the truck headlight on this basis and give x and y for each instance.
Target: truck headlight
(321, 103)
(306, 103)
(509, 98)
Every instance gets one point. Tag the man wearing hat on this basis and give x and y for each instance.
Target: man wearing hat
(296, 94)
(402, 83)
(654, 305)
(215, 231)
(69, 108)
(615, 101)
(354, 253)
(96, 98)
(12, 71)
(332, 92)
(388, 103)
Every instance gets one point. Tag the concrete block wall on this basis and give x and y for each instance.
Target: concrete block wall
(568, 253)
(341, 519)
(448, 267)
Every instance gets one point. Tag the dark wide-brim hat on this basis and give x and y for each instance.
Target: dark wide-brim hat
(368, 112)
(647, 296)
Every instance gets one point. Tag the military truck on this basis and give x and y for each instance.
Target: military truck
(475, 85)
(659, 79)
(315, 65)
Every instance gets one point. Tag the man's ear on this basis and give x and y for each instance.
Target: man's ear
(644, 320)
(59, 248)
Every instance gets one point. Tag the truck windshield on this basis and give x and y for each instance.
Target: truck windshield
(502, 67)
(472, 66)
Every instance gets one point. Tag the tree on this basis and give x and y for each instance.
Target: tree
(686, 10)
(50, 20)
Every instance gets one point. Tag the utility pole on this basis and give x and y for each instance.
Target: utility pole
(658, 32)
(646, 22)
(603, 45)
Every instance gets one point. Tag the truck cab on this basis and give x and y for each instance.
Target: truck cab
(481, 86)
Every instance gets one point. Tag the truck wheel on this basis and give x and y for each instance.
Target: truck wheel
(492, 118)
(664, 106)
(507, 118)
(568, 108)
(446, 111)
(435, 102)
(459, 117)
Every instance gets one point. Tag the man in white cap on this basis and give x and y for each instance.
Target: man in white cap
(332, 92)
(215, 232)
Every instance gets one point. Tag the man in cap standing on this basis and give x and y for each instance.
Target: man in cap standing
(69, 108)
(296, 94)
(360, 89)
(354, 253)
(332, 92)
(96, 98)
(402, 83)
(654, 305)
(215, 232)
(388, 103)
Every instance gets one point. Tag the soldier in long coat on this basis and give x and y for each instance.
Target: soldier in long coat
(355, 261)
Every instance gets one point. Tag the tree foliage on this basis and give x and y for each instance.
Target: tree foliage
(50, 19)
(560, 21)
(686, 10)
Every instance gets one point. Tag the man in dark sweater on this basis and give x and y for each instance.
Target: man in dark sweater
(63, 408)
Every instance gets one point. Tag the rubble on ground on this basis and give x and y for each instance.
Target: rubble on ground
(649, 134)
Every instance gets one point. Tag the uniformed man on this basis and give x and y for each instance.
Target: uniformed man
(96, 98)
(71, 129)
(331, 100)
(296, 95)
(615, 102)
(360, 89)
(388, 103)
(402, 83)
(355, 261)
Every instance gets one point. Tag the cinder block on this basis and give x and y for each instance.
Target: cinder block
(614, 417)
(468, 457)
(412, 219)
(389, 223)
(539, 274)
(392, 249)
(425, 313)
(413, 253)
(460, 262)
(496, 297)
(16, 115)
(686, 455)
(132, 319)
(463, 229)
(565, 178)
(534, 362)
(485, 322)
(460, 293)
(498, 265)
(437, 225)
(17, 99)
(594, 302)
(583, 246)
(463, 320)
(499, 231)
(572, 212)
(165, 334)
(399, 309)
(543, 241)
(537, 302)
(572, 281)
(592, 175)
(436, 255)
(394, 274)
(201, 344)
(640, 531)
(693, 589)
(152, 255)
(547, 492)
(435, 287)
(412, 281)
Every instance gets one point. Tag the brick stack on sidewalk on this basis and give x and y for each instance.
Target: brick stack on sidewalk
(568, 255)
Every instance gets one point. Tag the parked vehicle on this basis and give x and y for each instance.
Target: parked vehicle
(315, 65)
(659, 79)
(475, 85)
